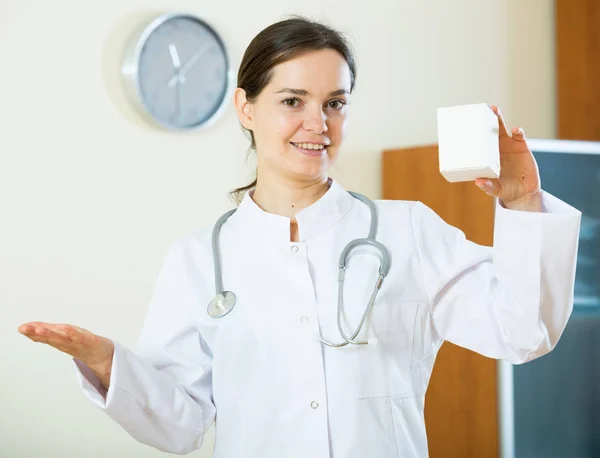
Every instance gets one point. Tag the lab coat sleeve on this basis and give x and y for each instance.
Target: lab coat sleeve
(161, 394)
(510, 301)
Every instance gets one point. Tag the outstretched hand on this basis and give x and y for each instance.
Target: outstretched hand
(94, 351)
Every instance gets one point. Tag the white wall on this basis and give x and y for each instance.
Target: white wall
(90, 196)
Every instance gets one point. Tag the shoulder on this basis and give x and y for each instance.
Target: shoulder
(412, 209)
(417, 216)
(191, 247)
(388, 206)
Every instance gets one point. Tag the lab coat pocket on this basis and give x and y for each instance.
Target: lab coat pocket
(384, 366)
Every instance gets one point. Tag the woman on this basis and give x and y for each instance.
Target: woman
(261, 370)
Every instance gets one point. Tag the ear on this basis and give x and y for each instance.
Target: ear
(243, 108)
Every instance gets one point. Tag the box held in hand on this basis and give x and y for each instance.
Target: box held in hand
(468, 142)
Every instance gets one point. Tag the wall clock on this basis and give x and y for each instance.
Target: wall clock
(177, 72)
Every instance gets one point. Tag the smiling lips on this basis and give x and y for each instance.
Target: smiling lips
(311, 149)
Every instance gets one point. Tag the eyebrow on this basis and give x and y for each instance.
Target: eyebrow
(305, 92)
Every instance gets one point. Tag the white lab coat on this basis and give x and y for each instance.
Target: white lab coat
(275, 389)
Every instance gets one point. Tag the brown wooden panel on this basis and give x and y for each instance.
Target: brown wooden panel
(461, 411)
(578, 69)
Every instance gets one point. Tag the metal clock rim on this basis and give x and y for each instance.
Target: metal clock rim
(130, 70)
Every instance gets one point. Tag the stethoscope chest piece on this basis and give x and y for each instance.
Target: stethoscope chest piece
(221, 304)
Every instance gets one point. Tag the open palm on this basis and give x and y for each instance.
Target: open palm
(80, 343)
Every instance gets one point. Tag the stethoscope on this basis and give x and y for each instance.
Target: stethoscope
(224, 301)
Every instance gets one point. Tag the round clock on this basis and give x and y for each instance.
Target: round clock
(177, 72)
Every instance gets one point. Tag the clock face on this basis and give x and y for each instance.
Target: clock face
(182, 72)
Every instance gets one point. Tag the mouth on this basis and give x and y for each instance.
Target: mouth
(311, 149)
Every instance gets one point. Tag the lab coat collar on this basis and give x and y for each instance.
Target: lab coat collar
(312, 220)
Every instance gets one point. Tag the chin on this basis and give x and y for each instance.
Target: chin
(305, 167)
(309, 174)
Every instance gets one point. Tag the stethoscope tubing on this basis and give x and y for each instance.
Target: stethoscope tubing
(224, 301)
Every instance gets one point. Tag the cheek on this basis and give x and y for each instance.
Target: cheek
(288, 125)
(280, 127)
(337, 127)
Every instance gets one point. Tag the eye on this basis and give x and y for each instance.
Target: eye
(292, 102)
(336, 104)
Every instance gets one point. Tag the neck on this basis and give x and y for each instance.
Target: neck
(285, 197)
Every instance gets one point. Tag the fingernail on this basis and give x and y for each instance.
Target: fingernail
(485, 184)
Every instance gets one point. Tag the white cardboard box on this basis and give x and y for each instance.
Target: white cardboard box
(468, 142)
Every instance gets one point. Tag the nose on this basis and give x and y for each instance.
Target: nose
(315, 120)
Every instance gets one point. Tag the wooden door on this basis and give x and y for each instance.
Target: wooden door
(461, 411)
(577, 25)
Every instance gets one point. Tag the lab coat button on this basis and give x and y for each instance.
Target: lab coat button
(304, 319)
(314, 404)
(295, 248)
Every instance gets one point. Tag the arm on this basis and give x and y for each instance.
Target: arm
(162, 394)
(511, 301)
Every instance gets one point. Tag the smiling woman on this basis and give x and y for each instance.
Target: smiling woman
(292, 69)
(298, 131)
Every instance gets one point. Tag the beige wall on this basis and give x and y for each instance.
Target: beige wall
(90, 196)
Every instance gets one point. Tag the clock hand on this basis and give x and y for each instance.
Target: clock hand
(182, 70)
(179, 98)
(176, 63)
(175, 57)
(192, 60)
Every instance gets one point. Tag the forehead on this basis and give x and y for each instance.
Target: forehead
(320, 71)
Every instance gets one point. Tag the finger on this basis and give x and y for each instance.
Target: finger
(29, 328)
(55, 337)
(60, 329)
(52, 335)
(75, 334)
(39, 328)
(518, 134)
(62, 337)
(77, 328)
(44, 335)
(26, 329)
(66, 336)
(503, 133)
(491, 187)
(32, 325)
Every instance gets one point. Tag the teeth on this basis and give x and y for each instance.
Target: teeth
(309, 145)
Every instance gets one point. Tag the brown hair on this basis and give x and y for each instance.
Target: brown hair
(278, 43)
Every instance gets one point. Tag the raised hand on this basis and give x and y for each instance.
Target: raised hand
(518, 186)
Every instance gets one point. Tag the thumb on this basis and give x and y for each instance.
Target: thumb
(491, 187)
(518, 134)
